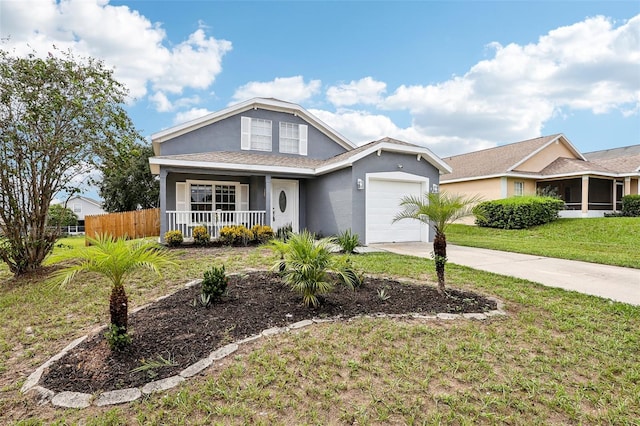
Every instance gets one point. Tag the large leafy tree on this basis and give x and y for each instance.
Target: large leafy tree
(60, 118)
(440, 210)
(127, 183)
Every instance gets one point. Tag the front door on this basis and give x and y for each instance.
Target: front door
(284, 204)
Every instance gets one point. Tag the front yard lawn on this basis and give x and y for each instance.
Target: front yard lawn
(557, 358)
(610, 241)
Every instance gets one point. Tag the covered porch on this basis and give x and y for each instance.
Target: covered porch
(192, 198)
(589, 196)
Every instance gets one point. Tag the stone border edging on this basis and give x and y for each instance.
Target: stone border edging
(67, 399)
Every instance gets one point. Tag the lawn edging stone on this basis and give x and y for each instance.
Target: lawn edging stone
(67, 399)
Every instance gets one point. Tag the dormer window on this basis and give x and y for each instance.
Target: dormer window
(293, 138)
(255, 134)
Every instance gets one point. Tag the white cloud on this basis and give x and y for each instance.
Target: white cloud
(123, 38)
(586, 66)
(364, 91)
(291, 89)
(161, 102)
(192, 114)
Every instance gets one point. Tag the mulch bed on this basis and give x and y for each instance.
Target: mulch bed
(176, 330)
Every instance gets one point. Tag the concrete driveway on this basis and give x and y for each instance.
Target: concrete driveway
(611, 282)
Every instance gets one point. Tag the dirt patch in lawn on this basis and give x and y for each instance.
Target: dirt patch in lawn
(175, 332)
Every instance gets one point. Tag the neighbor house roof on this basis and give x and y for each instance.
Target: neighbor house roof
(499, 160)
(246, 161)
(255, 103)
(623, 160)
(505, 161)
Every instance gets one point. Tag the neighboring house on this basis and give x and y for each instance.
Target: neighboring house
(84, 206)
(590, 184)
(266, 161)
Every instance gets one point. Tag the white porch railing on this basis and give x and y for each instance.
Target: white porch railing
(185, 221)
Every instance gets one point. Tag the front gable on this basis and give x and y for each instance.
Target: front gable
(537, 160)
(261, 126)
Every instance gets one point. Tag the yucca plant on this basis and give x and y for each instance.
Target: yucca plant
(348, 241)
(307, 266)
(115, 258)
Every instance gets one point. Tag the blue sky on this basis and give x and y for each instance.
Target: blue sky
(453, 76)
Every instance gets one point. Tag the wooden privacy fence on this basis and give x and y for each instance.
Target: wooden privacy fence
(134, 224)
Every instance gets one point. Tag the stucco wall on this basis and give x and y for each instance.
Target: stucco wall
(328, 203)
(529, 186)
(488, 189)
(224, 135)
(546, 157)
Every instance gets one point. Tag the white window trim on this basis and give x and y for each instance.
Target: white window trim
(303, 131)
(518, 188)
(184, 205)
(246, 136)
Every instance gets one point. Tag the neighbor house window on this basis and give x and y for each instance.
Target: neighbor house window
(518, 188)
(293, 138)
(255, 134)
(77, 208)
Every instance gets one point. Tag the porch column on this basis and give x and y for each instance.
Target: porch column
(163, 203)
(627, 186)
(267, 196)
(585, 194)
(615, 195)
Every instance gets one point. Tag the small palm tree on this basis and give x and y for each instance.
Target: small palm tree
(115, 259)
(441, 210)
(306, 264)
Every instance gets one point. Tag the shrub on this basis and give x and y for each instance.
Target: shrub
(214, 283)
(348, 241)
(283, 233)
(235, 235)
(173, 238)
(517, 212)
(200, 235)
(631, 205)
(308, 265)
(117, 337)
(262, 233)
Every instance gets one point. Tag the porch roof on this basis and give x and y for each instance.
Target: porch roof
(249, 161)
(562, 166)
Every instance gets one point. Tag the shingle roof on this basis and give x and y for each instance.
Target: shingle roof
(493, 161)
(247, 158)
(605, 154)
(572, 165)
(266, 161)
(627, 164)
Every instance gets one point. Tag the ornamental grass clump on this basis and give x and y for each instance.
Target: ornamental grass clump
(348, 241)
(309, 269)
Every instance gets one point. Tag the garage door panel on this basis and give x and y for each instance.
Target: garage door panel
(383, 204)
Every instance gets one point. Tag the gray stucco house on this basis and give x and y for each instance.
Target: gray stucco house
(266, 161)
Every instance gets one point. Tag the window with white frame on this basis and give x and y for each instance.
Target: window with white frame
(202, 197)
(255, 134)
(77, 208)
(518, 188)
(293, 138)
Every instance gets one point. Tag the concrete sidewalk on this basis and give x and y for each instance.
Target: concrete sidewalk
(611, 282)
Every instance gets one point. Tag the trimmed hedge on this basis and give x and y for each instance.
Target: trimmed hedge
(517, 212)
(631, 205)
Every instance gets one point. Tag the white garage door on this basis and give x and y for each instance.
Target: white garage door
(383, 204)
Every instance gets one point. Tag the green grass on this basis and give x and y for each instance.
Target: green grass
(610, 241)
(557, 358)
